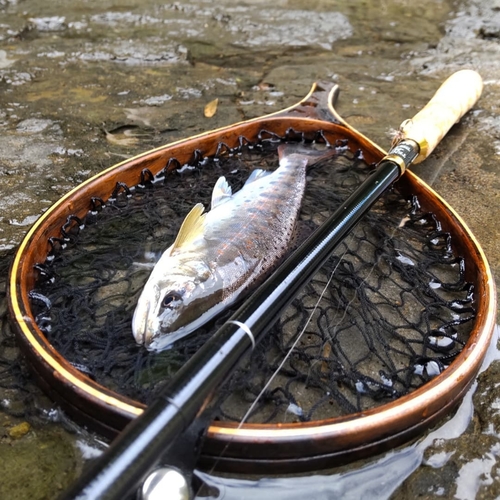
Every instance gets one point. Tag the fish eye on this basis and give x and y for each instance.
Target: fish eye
(169, 298)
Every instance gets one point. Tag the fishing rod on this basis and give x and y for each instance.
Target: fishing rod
(141, 446)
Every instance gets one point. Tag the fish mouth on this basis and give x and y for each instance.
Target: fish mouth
(165, 340)
(140, 326)
(149, 330)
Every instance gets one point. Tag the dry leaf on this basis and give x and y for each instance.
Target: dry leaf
(211, 108)
(123, 136)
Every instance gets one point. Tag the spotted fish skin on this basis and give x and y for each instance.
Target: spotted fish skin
(221, 255)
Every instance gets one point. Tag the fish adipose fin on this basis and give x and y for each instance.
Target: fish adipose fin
(192, 226)
(221, 193)
(257, 174)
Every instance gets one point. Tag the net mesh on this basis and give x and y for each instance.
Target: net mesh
(388, 311)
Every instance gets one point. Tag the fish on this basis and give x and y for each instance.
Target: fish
(221, 255)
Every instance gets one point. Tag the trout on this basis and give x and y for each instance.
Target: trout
(221, 255)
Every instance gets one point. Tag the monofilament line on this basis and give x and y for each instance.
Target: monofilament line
(365, 280)
(279, 368)
(299, 336)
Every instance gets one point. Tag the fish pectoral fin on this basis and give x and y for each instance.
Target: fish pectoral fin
(192, 226)
(256, 174)
(221, 193)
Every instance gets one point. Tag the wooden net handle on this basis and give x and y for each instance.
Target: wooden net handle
(453, 99)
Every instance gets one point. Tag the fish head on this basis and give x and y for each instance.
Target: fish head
(172, 307)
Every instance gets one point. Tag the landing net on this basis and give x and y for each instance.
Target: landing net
(387, 312)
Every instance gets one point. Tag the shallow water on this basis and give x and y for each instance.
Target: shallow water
(85, 85)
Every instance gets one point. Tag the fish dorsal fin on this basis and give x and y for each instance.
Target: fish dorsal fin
(257, 174)
(221, 193)
(192, 226)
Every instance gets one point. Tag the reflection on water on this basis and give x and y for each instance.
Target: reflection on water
(380, 479)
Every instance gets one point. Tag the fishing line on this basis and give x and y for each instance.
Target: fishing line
(288, 354)
(297, 340)
(374, 266)
(282, 363)
(339, 321)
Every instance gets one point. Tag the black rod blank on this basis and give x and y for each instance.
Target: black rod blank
(120, 470)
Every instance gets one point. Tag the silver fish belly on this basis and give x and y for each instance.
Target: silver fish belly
(220, 255)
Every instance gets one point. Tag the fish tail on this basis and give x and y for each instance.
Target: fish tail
(306, 152)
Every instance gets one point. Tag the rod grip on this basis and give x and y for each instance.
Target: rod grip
(453, 99)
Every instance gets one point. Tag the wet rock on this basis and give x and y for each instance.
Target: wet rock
(37, 125)
(157, 100)
(27, 221)
(4, 60)
(54, 23)
(38, 468)
(490, 31)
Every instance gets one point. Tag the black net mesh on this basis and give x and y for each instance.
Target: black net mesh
(386, 313)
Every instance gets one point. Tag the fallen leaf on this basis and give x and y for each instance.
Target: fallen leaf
(123, 136)
(18, 431)
(211, 108)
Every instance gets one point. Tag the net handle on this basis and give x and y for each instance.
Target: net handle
(452, 100)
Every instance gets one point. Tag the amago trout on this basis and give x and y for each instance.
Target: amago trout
(219, 256)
